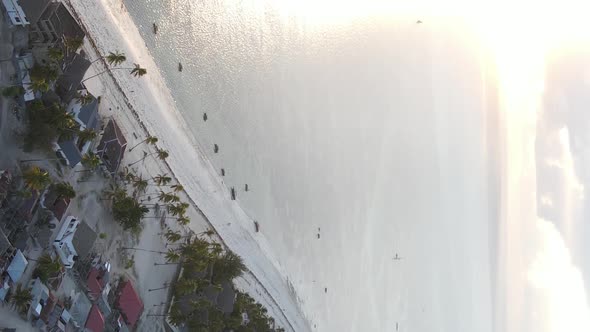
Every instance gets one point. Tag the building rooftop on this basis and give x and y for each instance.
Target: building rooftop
(95, 321)
(73, 73)
(34, 8)
(70, 151)
(89, 114)
(84, 240)
(129, 303)
(112, 146)
(80, 308)
(17, 266)
(5, 244)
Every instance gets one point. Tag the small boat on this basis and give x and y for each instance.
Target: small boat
(233, 194)
(215, 148)
(204, 116)
(223, 172)
(256, 226)
(180, 67)
(246, 187)
(155, 28)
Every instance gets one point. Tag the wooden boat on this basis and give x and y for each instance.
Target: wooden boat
(155, 28)
(180, 67)
(256, 226)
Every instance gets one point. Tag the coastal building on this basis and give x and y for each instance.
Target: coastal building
(40, 294)
(98, 281)
(95, 321)
(72, 150)
(13, 273)
(129, 303)
(54, 316)
(74, 241)
(79, 310)
(34, 8)
(29, 207)
(15, 13)
(25, 63)
(56, 205)
(51, 22)
(112, 147)
(68, 84)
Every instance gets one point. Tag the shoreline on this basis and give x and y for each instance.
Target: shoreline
(145, 130)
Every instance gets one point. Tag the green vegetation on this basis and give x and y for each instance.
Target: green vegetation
(47, 124)
(102, 236)
(90, 161)
(115, 58)
(127, 211)
(21, 298)
(64, 190)
(13, 91)
(55, 54)
(45, 73)
(47, 268)
(152, 140)
(36, 178)
(138, 71)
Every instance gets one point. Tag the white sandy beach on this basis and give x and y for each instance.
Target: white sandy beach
(113, 30)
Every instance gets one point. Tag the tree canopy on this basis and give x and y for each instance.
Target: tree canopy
(128, 211)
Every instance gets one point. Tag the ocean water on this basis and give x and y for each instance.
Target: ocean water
(359, 139)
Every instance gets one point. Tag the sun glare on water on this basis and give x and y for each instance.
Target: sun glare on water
(518, 32)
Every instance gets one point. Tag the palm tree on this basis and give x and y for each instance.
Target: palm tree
(172, 236)
(176, 317)
(84, 99)
(35, 178)
(55, 54)
(168, 197)
(87, 135)
(183, 220)
(73, 44)
(21, 298)
(209, 232)
(178, 209)
(177, 187)
(162, 179)
(172, 256)
(227, 267)
(161, 154)
(64, 190)
(140, 184)
(47, 267)
(137, 71)
(39, 85)
(90, 161)
(115, 58)
(150, 140)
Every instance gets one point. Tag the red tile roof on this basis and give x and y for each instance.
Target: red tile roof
(95, 320)
(93, 283)
(129, 303)
(60, 207)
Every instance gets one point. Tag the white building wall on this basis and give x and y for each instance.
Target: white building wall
(63, 242)
(15, 13)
